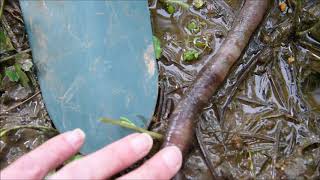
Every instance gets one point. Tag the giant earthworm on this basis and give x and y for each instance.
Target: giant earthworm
(182, 121)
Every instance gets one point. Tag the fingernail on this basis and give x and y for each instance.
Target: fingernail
(141, 143)
(75, 137)
(172, 157)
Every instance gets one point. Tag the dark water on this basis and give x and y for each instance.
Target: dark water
(264, 121)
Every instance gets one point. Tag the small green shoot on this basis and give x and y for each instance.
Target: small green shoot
(126, 120)
(129, 126)
(157, 47)
(193, 26)
(170, 9)
(191, 55)
(198, 4)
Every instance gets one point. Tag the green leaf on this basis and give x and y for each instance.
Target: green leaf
(198, 3)
(193, 27)
(170, 9)
(191, 55)
(23, 76)
(12, 75)
(126, 120)
(157, 47)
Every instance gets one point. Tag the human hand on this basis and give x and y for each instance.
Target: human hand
(101, 164)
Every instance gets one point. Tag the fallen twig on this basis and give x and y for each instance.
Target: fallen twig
(1, 7)
(15, 55)
(19, 104)
(4, 131)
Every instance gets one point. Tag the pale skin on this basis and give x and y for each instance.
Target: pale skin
(101, 164)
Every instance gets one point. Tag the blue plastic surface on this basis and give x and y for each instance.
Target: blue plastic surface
(94, 59)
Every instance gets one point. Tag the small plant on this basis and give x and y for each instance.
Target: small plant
(191, 55)
(170, 5)
(170, 9)
(16, 74)
(193, 27)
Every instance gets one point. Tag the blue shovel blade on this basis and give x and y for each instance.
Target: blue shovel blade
(94, 59)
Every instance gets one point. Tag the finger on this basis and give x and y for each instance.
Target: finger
(37, 163)
(164, 165)
(109, 160)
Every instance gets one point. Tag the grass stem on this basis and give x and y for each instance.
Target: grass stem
(132, 127)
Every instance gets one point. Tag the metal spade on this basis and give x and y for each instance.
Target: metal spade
(94, 59)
